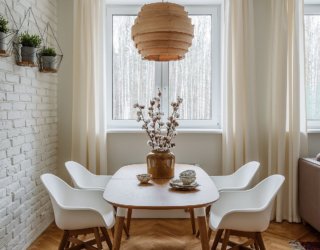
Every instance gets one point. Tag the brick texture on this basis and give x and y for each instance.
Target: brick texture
(28, 137)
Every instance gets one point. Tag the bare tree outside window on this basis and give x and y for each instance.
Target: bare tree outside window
(312, 65)
(133, 78)
(190, 78)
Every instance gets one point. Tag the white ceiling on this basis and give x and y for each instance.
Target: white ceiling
(184, 2)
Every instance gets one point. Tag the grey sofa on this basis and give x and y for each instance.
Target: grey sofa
(309, 191)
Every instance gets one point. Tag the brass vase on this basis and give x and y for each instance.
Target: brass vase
(161, 164)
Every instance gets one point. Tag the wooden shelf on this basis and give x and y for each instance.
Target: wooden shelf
(4, 53)
(26, 64)
(48, 70)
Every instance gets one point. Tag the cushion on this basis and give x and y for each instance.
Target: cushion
(318, 157)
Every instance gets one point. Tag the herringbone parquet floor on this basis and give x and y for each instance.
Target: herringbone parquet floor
(175, 234)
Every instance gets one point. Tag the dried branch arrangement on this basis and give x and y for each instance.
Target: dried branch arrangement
(160, 134)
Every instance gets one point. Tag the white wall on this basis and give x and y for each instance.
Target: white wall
(201, 148)
(65, 34)
(28, 138)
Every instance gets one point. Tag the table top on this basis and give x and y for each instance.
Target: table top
(124, 190)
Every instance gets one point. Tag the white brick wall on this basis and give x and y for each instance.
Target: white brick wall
(28, 138)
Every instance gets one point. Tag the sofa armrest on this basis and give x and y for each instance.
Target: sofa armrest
(309, 191)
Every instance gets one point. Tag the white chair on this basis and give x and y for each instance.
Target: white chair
(244, 213)
(79, 212)
(82, 178)
(239, 180)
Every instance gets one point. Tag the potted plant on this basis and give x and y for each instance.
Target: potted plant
(160, 162)
(29, 43)
(3, 33)
(47, 58)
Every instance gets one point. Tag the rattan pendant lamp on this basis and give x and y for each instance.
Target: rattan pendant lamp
(162, 32)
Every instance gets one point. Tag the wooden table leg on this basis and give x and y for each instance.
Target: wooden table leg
(121, 213)
(202, 224)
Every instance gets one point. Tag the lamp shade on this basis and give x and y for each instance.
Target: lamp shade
(162, 32)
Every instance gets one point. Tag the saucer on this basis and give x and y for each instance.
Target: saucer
(177, 184)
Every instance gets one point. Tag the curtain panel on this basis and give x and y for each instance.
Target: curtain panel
(89, 114)
(272, 129)
(240, 138)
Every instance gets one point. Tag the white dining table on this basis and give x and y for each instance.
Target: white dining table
(125, 192)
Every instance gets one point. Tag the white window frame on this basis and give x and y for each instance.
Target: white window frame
(312, 9)
(161, 70)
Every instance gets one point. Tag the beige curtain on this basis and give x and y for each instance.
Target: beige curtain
(240, 141)
(285, 102)
(272, 128)
(88, 117)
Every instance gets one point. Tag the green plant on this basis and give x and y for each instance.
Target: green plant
(48, 52)
(3, 25)
(28, 40)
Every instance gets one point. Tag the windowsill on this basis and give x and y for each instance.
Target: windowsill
(314, 131)
(180, 131)
(184, 131)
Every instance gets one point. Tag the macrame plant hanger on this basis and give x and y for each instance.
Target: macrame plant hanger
(50, 56)
(27, 55)
(7, 38)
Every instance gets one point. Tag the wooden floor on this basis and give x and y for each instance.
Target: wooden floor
(175, 234)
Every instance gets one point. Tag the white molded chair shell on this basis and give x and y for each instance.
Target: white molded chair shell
(249, 210)
(239, 180)
(82, 178)
(75, 208)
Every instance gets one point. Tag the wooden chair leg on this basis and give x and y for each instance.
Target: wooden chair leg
(193, 222)
(209, 233)
(129, 214)
(256, 246)
(98, 238)
(217, 239)
(106, 236)
(225, 239)
(64, 240)
(198, 234)
(260, 241)
(125, 229)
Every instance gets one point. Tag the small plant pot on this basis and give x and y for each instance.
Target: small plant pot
(3, 42)
(48, 62)
(28, 54)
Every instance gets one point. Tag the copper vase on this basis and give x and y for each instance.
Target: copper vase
(161, 164)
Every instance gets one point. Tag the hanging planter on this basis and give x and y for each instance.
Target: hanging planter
(8, 30)
(49, 59)
(28, 44)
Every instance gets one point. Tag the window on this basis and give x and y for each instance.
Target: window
(312, 65)
(196, 78)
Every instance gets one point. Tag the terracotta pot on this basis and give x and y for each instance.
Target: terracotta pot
(161, 164)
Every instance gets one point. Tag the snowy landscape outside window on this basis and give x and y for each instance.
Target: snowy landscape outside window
(312, 69)
(196, 78)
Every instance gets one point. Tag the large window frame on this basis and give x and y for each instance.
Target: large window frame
(312, 9)
(162, 70)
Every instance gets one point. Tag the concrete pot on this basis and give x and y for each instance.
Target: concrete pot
(28, 54)
(3, 41)
(48, 62)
